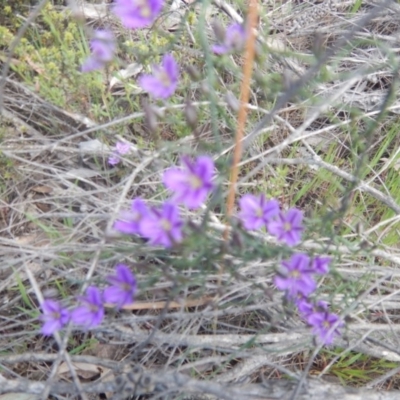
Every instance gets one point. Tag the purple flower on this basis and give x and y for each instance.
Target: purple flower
(192, 182)
(130, 221)
(320, 265)
(114, 159)
(256, 211)
(137, 14)
(306, 308)
(295, 277)
(235, 37)
(163, 226)
(287, 227)
(102, 48)
(121, 149)
(54, 317)
(323, 323)
(123, 287)
(164, 80)
(91, 312)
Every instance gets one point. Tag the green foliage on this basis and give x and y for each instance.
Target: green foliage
(11, 12)
(48, 59)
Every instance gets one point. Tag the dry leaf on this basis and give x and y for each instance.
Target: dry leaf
(132, 70)
(43, 207)
(36, 239)
(4, 212)
(84, 370)
(19, 396)
(93, 11)
(81, 173)
(87, 372)
(38, 69)
(34, 267)
(42, 189)
(104, 351)
(93, 147)
(396, 165)
(107, 376)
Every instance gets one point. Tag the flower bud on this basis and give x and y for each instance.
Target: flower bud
(232, 101)
(193, 72)
(147, 383)
(50, 293)
(191, 114)
(76, 11)
(158, 111)
(318, 44)
(150, 117)
(236, 240)
(218, 29)
(204, 87)
(288, 78)
(135, 374)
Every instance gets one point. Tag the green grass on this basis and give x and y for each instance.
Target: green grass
(86, 345)
(354, 368)
(24, 295)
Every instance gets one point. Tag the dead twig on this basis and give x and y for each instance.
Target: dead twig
(159, 305)
(146, 382)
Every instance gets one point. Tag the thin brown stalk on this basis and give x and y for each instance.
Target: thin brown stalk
(242, 114)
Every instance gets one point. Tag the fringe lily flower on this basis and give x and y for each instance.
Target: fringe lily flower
(121, 149)
(130, 221)
(325, 326)
(163, 82)
(91, 311)
(137, 14)
(163, 226)
(307, 308)
(295, 276)
(287, 227)
(234, 40)
(192, 182)
(320, 265)
(256, 211)
(54, 317)
(123, 287)
(102, 48)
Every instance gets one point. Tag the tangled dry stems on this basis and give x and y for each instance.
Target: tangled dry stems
(56, 217)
